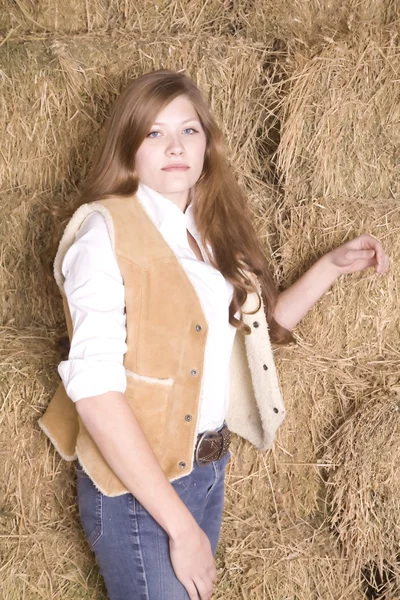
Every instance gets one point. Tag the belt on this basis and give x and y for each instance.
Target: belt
(212, 445)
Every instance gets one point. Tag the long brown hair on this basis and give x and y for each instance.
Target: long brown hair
(221, 212)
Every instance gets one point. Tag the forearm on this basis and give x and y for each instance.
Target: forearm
(294, 302)
(124, 446)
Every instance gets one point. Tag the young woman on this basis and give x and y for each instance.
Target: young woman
(168, 301)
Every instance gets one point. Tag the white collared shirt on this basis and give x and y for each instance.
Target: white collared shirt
(95, 293)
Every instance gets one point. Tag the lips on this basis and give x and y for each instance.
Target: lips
(177, 167)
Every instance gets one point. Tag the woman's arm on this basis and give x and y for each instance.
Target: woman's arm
(356, 255)
(295, 302)
(124, 446)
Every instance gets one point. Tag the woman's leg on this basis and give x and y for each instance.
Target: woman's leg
(131, 548)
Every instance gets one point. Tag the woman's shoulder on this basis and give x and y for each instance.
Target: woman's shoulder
(91, 248)
(93, 233)
(93, 224)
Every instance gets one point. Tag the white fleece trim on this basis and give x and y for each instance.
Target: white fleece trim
(265, 382)
(71, 229)
(168, 381)
(53, 441)
(98, 487)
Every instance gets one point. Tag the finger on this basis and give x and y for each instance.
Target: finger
(381, 256)
(191, 590)
(361, 265)
(383, 262)
(204, 588)
(352, 255)
(383, 266)
(379, 253)
(369, 241)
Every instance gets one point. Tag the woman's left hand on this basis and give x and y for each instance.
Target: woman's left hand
(358, 254)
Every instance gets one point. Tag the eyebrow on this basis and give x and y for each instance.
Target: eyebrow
(182, 123)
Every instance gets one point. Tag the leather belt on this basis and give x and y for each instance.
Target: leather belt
(212, 445)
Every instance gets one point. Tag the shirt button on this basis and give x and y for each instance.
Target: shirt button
(182, 464)
(256, 324)
(193, 372)
(265, 367)
(276, 410)
(198, 328)
(188, 418)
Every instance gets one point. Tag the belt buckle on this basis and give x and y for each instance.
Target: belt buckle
(204, 435)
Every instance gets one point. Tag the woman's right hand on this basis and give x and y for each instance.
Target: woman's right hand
(193, 563)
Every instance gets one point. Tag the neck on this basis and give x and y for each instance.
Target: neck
(181, 199)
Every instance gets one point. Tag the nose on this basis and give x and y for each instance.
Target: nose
(175, 146)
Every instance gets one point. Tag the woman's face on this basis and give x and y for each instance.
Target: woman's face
(170, 159)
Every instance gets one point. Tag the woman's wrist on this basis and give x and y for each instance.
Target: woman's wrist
(181, 530)
(329, 268)
(181, 526)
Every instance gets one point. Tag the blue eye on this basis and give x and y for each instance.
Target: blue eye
(188, 130)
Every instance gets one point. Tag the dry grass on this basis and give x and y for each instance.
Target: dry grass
(306, 21)
(341, 119)
(307, 95)
(364, 482)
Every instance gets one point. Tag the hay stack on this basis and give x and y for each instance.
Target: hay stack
(364, 479)
(340, 119)
(308, 22)
(305, 92)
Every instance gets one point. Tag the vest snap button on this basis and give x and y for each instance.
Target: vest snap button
(193, 372)
(265, 367)
(188, 418)
(276, 410)
(182, 464)
(256, 324)
(198, 328)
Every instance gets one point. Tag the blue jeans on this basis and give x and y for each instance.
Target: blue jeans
(131, 549)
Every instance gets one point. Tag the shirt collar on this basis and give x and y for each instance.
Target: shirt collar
(169, 219)
(164, 213)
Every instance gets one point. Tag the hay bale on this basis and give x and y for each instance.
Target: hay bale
(161, 18)
(273, 544)
(307, 21)
(312, 23)
(340, 115)
(364, 480)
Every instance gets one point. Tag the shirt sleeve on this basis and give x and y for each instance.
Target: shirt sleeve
(95, 293)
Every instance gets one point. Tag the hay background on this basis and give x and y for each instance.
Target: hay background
(307, 94)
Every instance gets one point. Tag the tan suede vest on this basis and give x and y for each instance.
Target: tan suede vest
(166, 337)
